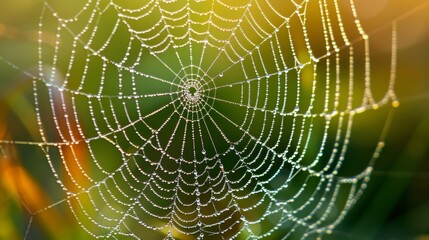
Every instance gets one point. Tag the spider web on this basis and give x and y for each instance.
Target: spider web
(205, 119)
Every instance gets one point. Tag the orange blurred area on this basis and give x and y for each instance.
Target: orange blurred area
(17, 182)
(19, 186)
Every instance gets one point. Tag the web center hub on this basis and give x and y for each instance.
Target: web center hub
(192, 92)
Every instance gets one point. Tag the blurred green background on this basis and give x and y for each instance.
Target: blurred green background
(396, 202)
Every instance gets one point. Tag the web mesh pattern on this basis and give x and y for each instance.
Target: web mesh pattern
(204, 119)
